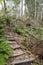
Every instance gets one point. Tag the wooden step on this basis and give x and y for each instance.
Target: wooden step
(21, 59)
(8, 36)
(8, 33)
(10, 39)
(18, 52)
(12, 42)
(15, 46)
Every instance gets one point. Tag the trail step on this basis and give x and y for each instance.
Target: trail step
(15, 46)
(18, 52)
(8, 36)
(21, 59)
(11, 39)
(12, 42)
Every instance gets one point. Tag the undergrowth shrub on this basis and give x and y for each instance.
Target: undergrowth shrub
(5, 49)
(2, 31)
(21, 30)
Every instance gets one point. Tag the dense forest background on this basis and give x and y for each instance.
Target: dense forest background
(25, 18)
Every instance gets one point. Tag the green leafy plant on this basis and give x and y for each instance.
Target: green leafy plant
(19, 29)
(2, 31)
(2, 24)
(5, 51)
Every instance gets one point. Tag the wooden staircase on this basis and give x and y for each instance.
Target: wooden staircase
(19, 55)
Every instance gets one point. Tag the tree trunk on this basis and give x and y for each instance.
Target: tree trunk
(7, 20)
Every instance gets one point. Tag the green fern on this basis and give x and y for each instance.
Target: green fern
(5, 49)
(2, 31)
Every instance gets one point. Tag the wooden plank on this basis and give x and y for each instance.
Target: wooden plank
(18, 52)
(8, 36)
(23, 61)
(11, 38)
(12, 42)
(14, 46)
(8, 33)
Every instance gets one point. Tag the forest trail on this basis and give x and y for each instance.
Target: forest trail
(19, 55)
